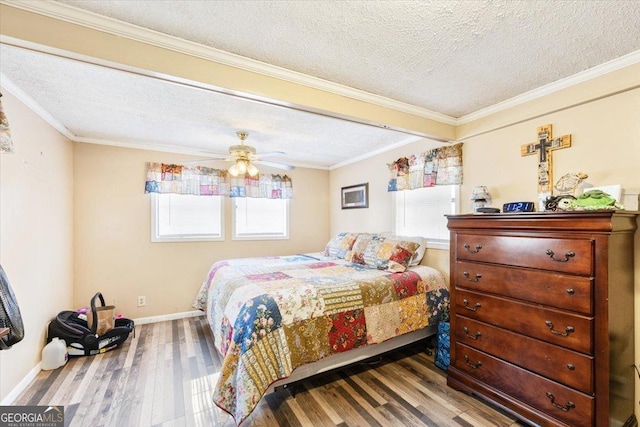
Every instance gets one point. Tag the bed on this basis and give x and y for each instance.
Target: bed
(288, 317)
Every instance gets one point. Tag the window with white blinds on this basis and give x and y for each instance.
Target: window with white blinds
(186, 218)
(421, 212)
(260, 219)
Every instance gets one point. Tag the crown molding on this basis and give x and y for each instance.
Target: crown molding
(373, 153)
(34, 106)
(581, 77)
(122, 29)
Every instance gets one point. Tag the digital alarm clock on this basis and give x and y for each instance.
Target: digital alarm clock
(518, 207)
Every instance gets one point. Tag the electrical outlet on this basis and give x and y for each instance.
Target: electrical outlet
(142, 301)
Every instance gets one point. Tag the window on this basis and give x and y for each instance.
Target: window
(186, 218)
(260, 219)
(421, 212)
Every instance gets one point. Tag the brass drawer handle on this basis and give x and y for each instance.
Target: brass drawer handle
(476, 279)
(568, 255)
(466, 305)
(571, 291)
(467, 247)
(566, 333)
(473, 337)
(564, 408)
(472, 365)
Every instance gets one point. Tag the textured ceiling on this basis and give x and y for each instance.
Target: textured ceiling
(450, 57)
(453, 57)
(100, 103)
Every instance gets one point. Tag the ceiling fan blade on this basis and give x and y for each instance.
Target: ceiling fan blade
(273, 153)
(217, 156)
(244, 153)
(212, 158)
(276, 165)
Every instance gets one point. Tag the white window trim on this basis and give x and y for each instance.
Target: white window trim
(259, 236)
(438, 244)
(430, 243)
(182, 238)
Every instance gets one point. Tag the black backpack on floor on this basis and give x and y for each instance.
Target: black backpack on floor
(82, 341)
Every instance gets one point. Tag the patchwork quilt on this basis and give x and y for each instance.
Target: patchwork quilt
(271, 315)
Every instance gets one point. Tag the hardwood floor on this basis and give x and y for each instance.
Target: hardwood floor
(164, 377)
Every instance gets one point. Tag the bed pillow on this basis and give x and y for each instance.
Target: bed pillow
(340, 245)
(390, 254)
(419, 254)
(356, 254)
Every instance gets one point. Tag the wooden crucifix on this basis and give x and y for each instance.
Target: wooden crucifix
(544, 149)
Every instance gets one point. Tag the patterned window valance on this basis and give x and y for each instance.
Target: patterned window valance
(440, 166)
(6, 143)
(203, 181)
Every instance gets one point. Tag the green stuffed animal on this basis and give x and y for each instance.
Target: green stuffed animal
(593, 200)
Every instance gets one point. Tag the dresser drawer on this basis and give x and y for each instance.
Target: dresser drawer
(563, 403)
(573, 256)
(558, 290)
(565, 366)
(565, 329)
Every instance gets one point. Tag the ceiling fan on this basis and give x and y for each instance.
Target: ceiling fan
(244, 158)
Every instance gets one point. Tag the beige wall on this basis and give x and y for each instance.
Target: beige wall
(36, 232)
(605, 145)
(113, 251)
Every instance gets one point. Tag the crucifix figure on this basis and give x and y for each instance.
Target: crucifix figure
(544, 149)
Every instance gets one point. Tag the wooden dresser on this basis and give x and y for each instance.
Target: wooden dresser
(542, 319)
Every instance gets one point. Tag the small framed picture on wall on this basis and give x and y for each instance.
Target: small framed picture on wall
(355, 196)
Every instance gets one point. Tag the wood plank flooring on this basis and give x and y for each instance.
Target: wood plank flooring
(165, 375)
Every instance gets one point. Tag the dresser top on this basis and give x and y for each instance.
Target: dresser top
(593, 221)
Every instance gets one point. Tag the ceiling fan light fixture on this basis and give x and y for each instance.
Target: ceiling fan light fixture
(234, 170)
(242, 166)
(253, 171)
(243, 157)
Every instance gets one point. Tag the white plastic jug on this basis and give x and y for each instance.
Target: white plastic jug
(62, 350)
(54, 355)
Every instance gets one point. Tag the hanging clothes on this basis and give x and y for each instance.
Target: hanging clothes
(10, 316)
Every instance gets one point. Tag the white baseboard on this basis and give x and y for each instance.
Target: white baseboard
(165, 317)
(22, 385)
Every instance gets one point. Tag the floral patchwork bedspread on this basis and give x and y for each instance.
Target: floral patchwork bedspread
(271, 315)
